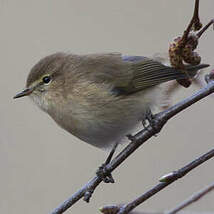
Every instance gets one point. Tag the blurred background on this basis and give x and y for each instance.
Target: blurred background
(42, 165)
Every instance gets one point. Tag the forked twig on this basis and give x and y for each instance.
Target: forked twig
(164, 182)
(195, 197)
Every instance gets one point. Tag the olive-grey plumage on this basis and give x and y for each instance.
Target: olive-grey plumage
(99, 98)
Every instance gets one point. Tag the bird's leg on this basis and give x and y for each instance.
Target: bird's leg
(155, 122)
(147, 118)
(151, 120)
(144, 122)
(102, 172)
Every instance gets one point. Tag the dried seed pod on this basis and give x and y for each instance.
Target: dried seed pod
(174, 53)
(185, 82)
(193, 58)
(188, 54)
(180, 52)
(193, 41)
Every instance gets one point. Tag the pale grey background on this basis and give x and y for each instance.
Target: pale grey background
(41, 165)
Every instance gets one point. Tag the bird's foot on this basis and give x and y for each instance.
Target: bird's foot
(102, 171)
(154, 122)
(150, 119)
(130, 137)
(146, 120)
(104, 174)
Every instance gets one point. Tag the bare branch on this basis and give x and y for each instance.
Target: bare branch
(195, 197)
(199, 34)
(114, 209)
(165, 181)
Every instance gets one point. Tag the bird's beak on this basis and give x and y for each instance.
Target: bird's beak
(23, 93)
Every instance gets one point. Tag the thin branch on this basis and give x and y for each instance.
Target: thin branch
(114, 210)
(194, 23)
(199, 34)
(165, 181)
(159, 120)
(195, 197)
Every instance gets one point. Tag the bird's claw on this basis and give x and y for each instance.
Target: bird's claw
(152, 120)
(104, 174)
(130, 137)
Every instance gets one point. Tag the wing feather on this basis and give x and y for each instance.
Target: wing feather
(129, 74)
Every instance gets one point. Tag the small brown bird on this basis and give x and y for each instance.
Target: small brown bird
(99, 98)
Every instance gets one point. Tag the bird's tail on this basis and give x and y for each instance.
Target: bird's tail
(192, 69)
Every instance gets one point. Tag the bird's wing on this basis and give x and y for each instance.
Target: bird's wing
(145, 73)
(129, 74)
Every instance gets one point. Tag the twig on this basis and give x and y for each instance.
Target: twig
(195, 197)
(114, 210)
(194, 23)
(199, 34)
(165, 181)
(159, 120)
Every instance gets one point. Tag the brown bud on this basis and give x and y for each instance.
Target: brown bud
(114, 209)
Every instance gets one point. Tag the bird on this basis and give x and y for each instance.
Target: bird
(100, 98)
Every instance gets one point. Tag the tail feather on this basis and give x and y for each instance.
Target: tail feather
(196, 67)
(191, 70)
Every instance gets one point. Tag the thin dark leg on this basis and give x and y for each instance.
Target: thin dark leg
(111, 153)
(150, 117)
(101, 172)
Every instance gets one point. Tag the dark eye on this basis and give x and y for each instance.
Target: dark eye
(46, 79)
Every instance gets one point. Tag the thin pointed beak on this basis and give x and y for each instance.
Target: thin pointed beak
(25, 92)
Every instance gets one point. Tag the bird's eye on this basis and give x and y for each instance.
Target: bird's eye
(46, 79)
